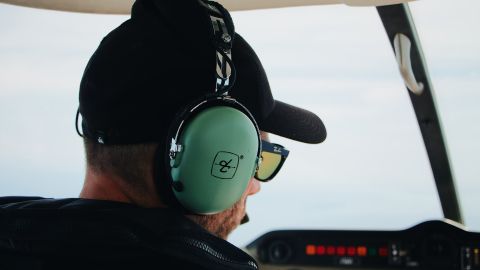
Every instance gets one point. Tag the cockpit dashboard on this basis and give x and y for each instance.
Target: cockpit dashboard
(428, 245)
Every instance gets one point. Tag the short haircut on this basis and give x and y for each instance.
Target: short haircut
(131, 162)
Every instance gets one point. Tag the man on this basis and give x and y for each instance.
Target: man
(131, 213)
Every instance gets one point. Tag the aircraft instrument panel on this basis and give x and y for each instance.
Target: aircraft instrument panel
(429, 245)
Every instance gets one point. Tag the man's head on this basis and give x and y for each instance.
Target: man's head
(142, 75)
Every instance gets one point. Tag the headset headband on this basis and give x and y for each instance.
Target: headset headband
(223, 33)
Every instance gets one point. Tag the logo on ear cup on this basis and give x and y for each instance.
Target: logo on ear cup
(225, 165)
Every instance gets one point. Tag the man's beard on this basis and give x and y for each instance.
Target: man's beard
(223, 223)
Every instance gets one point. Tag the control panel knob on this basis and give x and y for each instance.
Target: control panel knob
(279, 252)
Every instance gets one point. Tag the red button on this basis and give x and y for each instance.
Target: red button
(340, 251)
(383, 251)
(362, 251)
(310, 250)
(351, 251)
(321, 250)
(331, 250)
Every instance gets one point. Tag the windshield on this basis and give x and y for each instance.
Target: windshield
(453, 57)
(372, 172)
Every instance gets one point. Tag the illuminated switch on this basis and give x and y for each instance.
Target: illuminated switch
(331, 250)
(476, 258)
(362, 251)
(310, 250)
(351, 251)
(321, 250)
(395, 258)
(466, 258)
(340, 251)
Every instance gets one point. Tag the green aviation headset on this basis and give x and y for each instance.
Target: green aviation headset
(215, 144)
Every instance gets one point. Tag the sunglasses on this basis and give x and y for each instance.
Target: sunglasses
(273, 156)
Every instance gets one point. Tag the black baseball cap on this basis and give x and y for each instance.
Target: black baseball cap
(162, 59)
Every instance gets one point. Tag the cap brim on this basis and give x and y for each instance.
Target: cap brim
(294, 123)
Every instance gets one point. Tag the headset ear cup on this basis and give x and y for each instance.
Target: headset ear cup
(219, 153)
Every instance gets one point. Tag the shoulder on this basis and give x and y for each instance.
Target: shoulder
(36, 203)
(110, 234)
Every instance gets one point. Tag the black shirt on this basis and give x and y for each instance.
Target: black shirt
(38, 233)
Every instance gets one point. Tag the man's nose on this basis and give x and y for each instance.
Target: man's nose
(253, 187)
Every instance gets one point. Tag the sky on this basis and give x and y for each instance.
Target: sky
(372, 172)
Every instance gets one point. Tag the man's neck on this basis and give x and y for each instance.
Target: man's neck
(102, 186)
